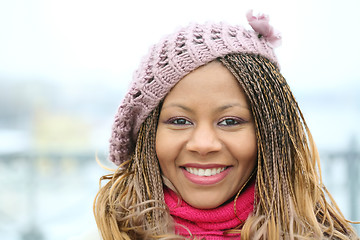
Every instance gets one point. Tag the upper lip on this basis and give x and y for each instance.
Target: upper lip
(204, 166)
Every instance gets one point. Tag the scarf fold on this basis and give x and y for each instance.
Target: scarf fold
(210, 223)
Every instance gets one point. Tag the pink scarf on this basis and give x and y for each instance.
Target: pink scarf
(210, 223)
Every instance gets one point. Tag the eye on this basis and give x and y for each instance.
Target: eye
(179, 121)
(230, 122)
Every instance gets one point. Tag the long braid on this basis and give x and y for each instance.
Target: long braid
(133, 199)
(147, 172)
(290, 200)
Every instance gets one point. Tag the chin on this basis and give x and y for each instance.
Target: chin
(205, 206)
(205, 203)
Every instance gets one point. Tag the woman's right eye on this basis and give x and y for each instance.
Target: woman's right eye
(179, 121)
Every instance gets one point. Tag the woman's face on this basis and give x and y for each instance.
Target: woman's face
(205, 140)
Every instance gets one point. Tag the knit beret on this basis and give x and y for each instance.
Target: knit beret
(175, 56)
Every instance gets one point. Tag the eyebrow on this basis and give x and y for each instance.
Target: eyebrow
(219, 109)
(177, 105)
(230, 105)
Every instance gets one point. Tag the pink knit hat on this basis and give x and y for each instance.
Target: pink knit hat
(174, 57)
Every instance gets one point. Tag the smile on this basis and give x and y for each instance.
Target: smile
(204, 172)
(206, 176)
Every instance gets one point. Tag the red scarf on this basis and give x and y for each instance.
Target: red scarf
(210, 224)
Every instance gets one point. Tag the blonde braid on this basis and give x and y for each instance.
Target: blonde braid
(290, 200)
(131, 205)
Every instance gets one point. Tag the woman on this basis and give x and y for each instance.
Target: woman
(211, 144)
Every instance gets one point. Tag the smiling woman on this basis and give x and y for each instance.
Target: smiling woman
(206, 143)
(211, 144)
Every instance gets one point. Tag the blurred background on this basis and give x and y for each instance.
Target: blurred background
(66, 64)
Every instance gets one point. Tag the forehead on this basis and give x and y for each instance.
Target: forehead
(212, 82)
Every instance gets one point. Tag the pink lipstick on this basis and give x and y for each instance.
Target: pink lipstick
(205, 175)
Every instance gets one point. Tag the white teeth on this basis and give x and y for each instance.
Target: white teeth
(205, 172)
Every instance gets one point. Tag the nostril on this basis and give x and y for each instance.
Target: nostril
(204, 143)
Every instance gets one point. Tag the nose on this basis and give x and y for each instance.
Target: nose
(204, 140)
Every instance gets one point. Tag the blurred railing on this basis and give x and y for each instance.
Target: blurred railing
(49, 196)
(341, 175)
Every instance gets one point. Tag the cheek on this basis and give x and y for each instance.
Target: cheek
(165, 151)
(252, 145)
(159, 147)
(252, 150)
(246, 149)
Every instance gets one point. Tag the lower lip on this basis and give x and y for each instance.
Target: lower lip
(206, 180)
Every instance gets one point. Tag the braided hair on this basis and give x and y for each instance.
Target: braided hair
(290, 194)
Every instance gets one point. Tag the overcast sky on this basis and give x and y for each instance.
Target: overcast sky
(101, 42)
(79, 41)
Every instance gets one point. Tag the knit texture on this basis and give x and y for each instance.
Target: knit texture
(210, 223)
(170, 60)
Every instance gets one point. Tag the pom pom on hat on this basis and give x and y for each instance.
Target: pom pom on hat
(175, 56)
(261, 25)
